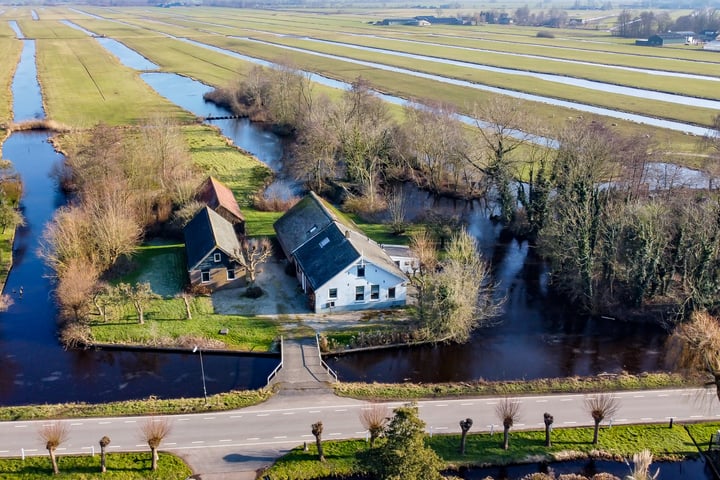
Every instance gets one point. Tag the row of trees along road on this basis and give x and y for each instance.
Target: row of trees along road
(614, 246)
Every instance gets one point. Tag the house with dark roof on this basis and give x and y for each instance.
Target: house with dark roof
(210, 245)
(220, 198)
(339, 268)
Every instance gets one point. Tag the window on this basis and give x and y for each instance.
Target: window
(359, 294)
(332, 293)
(231, 274)
(217, 257)
(361, 270)
(374, 292)
(391, 292)
(204, 276)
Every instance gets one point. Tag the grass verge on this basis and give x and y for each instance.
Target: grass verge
(150, 406)
(618, 443)
(409, 391)
(119, 465)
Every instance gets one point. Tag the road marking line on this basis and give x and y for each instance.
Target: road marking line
(263, 415)
(31, 449)
(696, 416)
(225, 440)
(170, 443)
(569, 423)
(253, 438)
(4, 451)
(466, 404)
(198, 441)
(235, 416)
(341, 410)
(520, 424)
(622, 420)
(441, 405)
(282, 436)
(644, 419)
(141, 445)
(491, 403)
(104, 423)
(314, 411)
(306, 435)
(208, 418)
(638, 396)
(566, 399)
(441, 428)
(334, 434)
(663, 395)
(540, 401)
(76, 424)
(63, 448)
(20, 426)
(288, 413)
(130, 421)
(361, 433)
(114, 446)
(183, 419)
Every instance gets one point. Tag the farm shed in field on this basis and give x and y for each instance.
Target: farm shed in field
(220, 198)
(210, 244)
(662, 39)
(338, 267)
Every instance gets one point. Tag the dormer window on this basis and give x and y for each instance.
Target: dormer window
(313, 229)
(217, 258)
(361, 270)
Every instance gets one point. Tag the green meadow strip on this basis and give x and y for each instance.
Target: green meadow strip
(83, 84)
(11, 49)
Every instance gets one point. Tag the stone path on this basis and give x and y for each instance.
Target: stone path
(302, 370)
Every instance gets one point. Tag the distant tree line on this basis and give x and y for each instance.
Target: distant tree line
(616, 237)
(647, 23)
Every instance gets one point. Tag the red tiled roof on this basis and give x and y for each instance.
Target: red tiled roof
(216, 194)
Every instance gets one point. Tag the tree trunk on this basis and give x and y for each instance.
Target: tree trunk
(548, 443)
(188, 313)
(55, 468)
(595, 432)
(103, 469)
(506, 438)
(462, 442)
(141, 316)
(318, 442)
(154, 458)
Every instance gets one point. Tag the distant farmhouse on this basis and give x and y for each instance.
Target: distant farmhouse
(672, 38)
(424, 21)
(211, 239)
(339, 268)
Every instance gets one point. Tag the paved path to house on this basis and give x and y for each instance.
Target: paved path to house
(302, 370)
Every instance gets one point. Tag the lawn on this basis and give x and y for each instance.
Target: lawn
(166, 326)
(11, 49)
(119, 465)
(618, 442)
(161, 265)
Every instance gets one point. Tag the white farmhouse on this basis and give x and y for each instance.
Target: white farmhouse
(338, 268)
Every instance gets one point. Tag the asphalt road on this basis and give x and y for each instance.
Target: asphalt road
(233, 444)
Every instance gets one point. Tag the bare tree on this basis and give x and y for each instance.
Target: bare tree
(548, 419)
(253, 252)
(140, 295)
(104, 442)
(374, 418)
(600, 407)
(465, 426)
(317, 430)
(154, 431)
(54, 434)
(696, 344)
(75, 287)
(507, 411)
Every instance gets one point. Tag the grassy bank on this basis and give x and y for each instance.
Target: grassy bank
(409, 391)
(618, 442)
(128, 466)
(150, 406)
